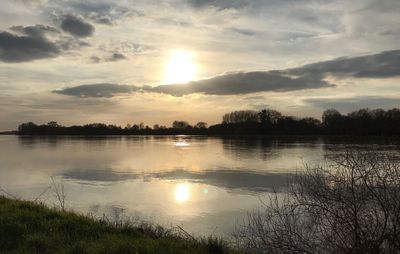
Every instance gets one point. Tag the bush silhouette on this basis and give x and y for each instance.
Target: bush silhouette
(350, 206)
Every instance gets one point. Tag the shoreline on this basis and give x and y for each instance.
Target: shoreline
(33, 227)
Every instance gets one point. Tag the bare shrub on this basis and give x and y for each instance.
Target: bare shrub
(59, 193)
(350, 206)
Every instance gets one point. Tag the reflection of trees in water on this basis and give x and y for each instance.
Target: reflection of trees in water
(54, 141)
(337, 146)
(34, 141)
(265, 147)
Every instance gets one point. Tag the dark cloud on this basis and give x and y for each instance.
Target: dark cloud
(312, 76)
(34, 31)
(241, 31)
(92, 7)
(16, 48)
(381, 65)
(96, 90)
(116, 57)
(35, 42)
(243, 83)
(354, 103)
(220, 4)
(105, 13)
(71, 43)
(95, 59)
(113, 58)
(76, 26)
(101, 19)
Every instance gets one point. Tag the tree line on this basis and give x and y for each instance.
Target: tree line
(377, 122)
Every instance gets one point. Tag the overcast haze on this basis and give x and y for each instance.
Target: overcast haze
(79, 62)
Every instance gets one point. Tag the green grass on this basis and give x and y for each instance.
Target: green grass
(29, 227)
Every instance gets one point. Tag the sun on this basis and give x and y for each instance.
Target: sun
(180, 67)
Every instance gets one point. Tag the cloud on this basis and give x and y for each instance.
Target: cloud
(113, 58)
(16, 48)
(101, 19)
(103, 12)
(92, 7)
(246, 32)
(34, 31)
(220, 4)
(76, 26)
(96, 90)
(38, 41)
(243, 83)
(116, 57)
(312, 76)
(382, 65)
(354, 103)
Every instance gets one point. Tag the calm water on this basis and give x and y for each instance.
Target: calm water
(203, 184)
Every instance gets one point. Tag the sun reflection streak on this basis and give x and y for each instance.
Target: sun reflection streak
(181, 143)
(182, 192)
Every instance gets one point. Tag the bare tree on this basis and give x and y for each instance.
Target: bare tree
(352, 205)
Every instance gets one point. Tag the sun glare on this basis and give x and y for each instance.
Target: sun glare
(182, 192)
(180, 68)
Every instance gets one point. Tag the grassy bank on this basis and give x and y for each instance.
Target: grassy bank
(28, 227)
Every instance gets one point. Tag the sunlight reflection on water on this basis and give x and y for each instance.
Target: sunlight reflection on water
(182, 192)
(181, 143)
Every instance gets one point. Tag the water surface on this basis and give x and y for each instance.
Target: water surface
(203, 184)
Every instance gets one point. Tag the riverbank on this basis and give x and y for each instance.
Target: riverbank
(29, 227)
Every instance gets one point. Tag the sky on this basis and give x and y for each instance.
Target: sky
(133, 61)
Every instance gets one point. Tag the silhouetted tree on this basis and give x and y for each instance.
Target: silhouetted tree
(201, 125)
(249, 122)
(269, 116)
(241, 116)
(180, 125)
(27, 128)
(53, 124)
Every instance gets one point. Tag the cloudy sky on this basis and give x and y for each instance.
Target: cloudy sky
(155, 61)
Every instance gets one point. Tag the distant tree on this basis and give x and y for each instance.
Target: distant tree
(330, 116)
(53, 124)
(27, 128)
(156, 127)
(311, 121)
(393, 114)
(180, 125)
(241, 116)
(269, 116)
(378, 114)
(201, 125)
(141, 126)
(333, 121)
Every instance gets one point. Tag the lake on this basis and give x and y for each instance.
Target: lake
(203, 184)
